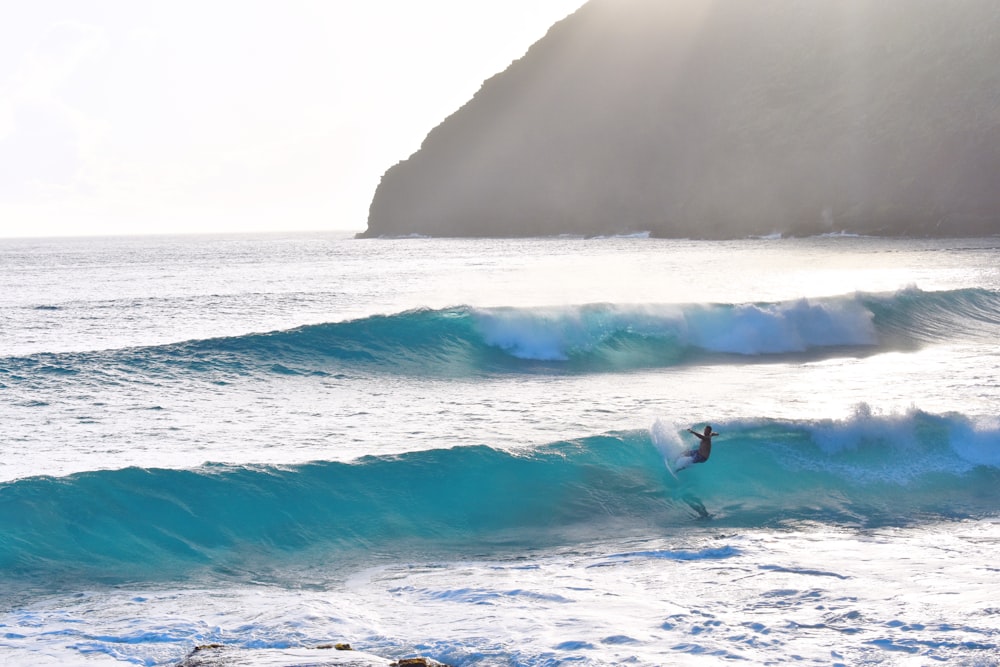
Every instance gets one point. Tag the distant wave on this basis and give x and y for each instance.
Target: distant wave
(465, 341)
(625, 235)
(132, 524)
(840, 234)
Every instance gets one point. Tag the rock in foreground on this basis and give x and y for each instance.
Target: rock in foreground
(216, 655)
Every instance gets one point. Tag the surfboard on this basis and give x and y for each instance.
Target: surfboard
(677, 464)
(681, 462)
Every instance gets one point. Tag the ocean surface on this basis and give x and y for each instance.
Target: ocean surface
(459, 449)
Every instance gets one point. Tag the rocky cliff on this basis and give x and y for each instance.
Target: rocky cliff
(722, 119)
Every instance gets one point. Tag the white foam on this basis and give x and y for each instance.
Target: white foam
(977, 442)
(899, 446)
(555, 333)
(545, 334)
(666, 440)
(793, 326)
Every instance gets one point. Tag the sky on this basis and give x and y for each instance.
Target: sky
(181, 116)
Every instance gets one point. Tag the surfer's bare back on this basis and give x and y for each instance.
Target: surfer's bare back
(704, 450)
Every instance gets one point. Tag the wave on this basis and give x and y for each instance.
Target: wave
(147, 524)
(465, 341)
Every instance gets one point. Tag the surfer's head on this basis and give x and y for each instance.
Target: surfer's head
(708, 429)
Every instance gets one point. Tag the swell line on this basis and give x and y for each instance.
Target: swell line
(466, 341)
(128, 524)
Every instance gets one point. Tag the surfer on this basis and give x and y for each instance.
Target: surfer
(704, 450)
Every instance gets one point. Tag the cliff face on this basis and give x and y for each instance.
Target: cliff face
(708, 119)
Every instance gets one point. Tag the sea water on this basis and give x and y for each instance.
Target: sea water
(458, 449)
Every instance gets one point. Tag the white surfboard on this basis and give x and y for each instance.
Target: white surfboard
(682, 462)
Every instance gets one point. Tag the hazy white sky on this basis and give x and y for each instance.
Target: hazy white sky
(132, 116)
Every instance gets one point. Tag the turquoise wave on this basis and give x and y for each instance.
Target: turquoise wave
(466, 341)
(149, 524)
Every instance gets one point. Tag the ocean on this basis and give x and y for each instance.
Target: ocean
(461, 449)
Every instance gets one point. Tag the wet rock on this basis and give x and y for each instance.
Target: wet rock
(324, 655)
(217, 655)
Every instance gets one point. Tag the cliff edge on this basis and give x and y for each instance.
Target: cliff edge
(706, 119)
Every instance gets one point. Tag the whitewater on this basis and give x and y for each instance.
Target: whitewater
(459, 449)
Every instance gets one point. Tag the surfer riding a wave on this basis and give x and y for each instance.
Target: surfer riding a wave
(704, 450)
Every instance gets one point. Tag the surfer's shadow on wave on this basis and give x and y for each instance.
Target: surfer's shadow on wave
(690, 504)
(692, 501)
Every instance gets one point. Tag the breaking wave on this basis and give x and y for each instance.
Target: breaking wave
(469, 341)
(144, 524)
